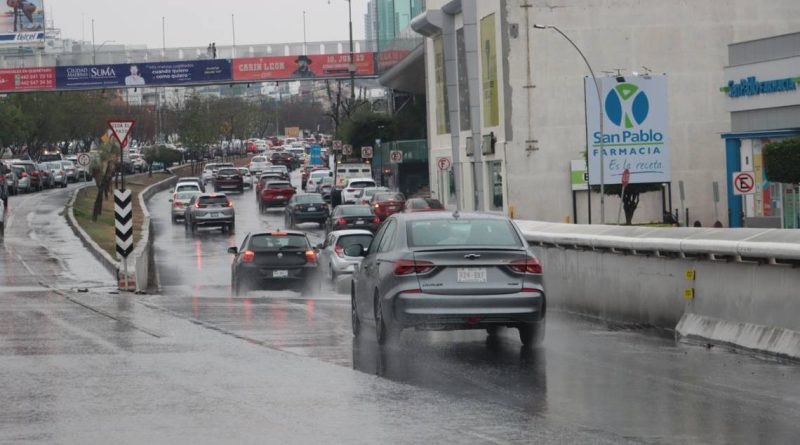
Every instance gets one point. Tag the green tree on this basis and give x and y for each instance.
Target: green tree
(14, 124)
(782, 161)
(364, 127)
(104, 165)
(630, 201)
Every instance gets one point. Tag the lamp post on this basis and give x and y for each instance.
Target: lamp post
(352, 66)
(305, 43)
(602, 133)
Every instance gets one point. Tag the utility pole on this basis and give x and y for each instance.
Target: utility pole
(233, 32)
(163, 38)
(94, 50)
(352, 66)
(305, 50)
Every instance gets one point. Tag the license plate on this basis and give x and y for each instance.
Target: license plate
(392, 208)
(279, 197)
(280, 274)
(471, 275)
(311, 209)
(214, 215)
(360, 222)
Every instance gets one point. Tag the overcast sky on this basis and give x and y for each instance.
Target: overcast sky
(198, 22)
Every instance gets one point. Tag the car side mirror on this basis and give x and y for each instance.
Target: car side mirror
(355, 250)
(233, 250)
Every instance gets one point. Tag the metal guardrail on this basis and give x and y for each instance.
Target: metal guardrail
(769, 246)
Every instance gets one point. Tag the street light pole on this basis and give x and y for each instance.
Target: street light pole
(602, 118)
(94, 50)
(305, 51)
(352, 66)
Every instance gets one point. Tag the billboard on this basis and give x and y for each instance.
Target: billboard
(27, 79)
(143, 74)
(302, 67)
(21, 22)
(636, 129)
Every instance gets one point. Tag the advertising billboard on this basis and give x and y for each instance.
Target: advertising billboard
(27, 79)
(21, 22)
(302, 67)
(636, 129)
(143, 74)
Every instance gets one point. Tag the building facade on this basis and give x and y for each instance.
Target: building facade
(511, 97)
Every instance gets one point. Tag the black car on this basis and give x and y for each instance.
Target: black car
(352, 217)
(306, 208)
(283, 260)
(283, 158)
(229, 178)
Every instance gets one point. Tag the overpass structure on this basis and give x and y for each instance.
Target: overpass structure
(126, 68)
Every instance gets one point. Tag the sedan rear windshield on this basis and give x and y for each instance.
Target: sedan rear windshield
(257, 159)
(349, 240)
(185, 196)
(228, 171)
(360, 184)
(279, 185)
(213, 200)
(354, 210)
(271, 243)
(309, 199)
(187, 187)
(462, 232)
(389, 197)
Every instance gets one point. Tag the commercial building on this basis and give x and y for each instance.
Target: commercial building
(511, 97)
(763, 97)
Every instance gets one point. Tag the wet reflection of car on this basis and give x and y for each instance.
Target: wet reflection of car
(352, 217)
(332, 257)
(180, 201)
(283, 260)
(443, 271)
(210, 210)
(305, 208)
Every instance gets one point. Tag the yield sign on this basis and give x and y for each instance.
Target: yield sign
(121, 130)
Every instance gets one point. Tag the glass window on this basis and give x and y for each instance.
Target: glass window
(463, 232)
(273, 243)
(496, 178)
(349, 240)
(308, 199)
(388, 240)
(360, 210)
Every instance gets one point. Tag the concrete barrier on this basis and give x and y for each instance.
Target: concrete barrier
(745, 283)
(143, 252)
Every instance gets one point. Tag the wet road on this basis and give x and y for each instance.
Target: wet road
(195, 365)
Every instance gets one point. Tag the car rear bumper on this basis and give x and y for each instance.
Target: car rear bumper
(179, 212)
(275, 202)
(213, 221)
(260, 275)
(434, 311)
(228, 185)
(310, 216)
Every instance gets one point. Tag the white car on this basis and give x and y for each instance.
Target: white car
(187, 187)
(258, 164)
(247, 178)
(315, 178)
(71, 171)
(354, 187)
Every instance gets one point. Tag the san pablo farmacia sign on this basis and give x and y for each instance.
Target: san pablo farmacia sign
(636, 129)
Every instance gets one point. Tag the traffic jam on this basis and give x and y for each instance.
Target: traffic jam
(405, 262)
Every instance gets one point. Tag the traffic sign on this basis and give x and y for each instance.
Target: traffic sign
(123, 222)
(121, 130)
(396, 156)
(744, 183)
(444, 164)
(366, 152)
(626, 177)
(337, 145)
(347, 149)
(84, 160)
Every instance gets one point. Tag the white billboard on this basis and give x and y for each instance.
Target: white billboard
(636, 129)
(22, 22)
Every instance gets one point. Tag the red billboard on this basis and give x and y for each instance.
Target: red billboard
(24, 79)
(302, 67)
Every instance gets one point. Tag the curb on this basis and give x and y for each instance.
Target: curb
(101, 255)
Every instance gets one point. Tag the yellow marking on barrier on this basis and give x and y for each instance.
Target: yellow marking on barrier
(690, 275)
(688, 293)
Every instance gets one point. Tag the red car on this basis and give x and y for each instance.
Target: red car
(386, 204)
(275, 194)
(423, 205)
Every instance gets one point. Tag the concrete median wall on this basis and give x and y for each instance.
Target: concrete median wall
(746, 282)
(143, 258)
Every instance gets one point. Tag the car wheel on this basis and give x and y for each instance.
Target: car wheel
(332, 273)
(532, 334)
(354, 320)
(174, 219)
(232, 227)
(382, 331)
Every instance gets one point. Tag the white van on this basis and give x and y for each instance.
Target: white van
(348, 171)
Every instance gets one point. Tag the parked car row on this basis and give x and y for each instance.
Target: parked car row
(25, 176)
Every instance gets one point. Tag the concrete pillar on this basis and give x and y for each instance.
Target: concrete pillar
(469, 9)
(733, 163)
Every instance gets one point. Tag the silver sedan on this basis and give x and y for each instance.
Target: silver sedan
(443, 271)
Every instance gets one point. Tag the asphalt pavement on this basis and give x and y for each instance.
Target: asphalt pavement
(193, 364)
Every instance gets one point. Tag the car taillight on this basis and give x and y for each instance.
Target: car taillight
(298, 207)
(530, 265)
(178, 204)
(248, 256)
(2, 178)
(230, 203)
(34, 173)
(350, 190)
(311, 257)
(376, 220)
(341, 222)
(24, 175)
(377, 206)
(339, 251)
(199, 206)
(410, 267)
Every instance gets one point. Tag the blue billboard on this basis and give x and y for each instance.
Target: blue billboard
(143, 74)
(316, 155)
